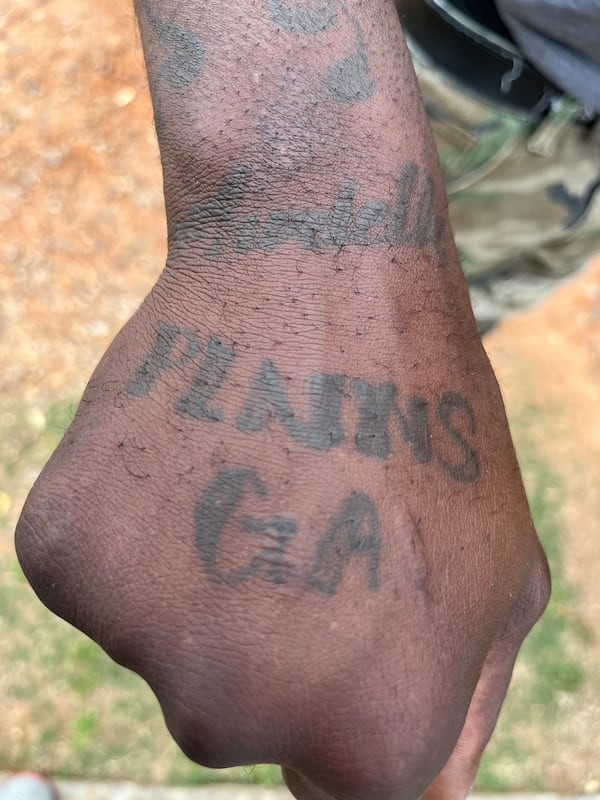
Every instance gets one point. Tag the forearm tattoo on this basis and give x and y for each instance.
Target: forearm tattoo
(348, 79)
(183, 59)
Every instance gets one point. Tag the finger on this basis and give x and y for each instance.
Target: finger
(456, 779)
(301, 788)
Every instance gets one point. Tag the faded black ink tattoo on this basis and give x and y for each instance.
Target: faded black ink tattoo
(217, 223)
(303, 20)
(173, 346)
(376, 404)
(354, 531)
(348, 78)
(216, 505)
(183, 61)
(450, 407)
(267, 400)
(213, 370)
(353, 534)
(440, 430)
(270, 562)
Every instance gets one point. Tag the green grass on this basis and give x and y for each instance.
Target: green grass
(548, 664)
(69, 710)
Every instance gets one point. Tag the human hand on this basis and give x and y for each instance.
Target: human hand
(301, 521)
(289, 497)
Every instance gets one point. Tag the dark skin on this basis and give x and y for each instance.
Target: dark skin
(289, 498)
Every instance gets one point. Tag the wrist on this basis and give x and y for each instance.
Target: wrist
(277, 214)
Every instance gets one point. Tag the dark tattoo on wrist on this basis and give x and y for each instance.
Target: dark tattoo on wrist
(352, 535)
(218, 223)
(437, 431)
(348, 78)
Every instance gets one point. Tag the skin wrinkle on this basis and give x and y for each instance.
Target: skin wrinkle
(218, 223)
(416, 560)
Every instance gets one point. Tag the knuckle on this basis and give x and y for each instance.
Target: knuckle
(535, 595)
(46, 548)
(540, 586)
(199, 741)
(209, 737)
(55, 540)
(379, 780)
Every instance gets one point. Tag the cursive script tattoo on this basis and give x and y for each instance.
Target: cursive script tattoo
(348, 79)
(218, 223)
(352, 535)
(440, 430)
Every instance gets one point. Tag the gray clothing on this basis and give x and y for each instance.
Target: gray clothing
(562, 39)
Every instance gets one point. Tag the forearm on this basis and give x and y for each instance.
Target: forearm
(337, 67)
(284, 126)
(307, 213)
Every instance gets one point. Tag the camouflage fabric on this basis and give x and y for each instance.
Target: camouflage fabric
(524, 199)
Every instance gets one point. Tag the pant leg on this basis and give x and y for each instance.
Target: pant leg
(524, 199)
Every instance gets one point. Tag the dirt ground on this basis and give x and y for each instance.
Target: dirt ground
(548, 360)
(83, 239)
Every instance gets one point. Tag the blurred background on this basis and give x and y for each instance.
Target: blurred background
(82, 239)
